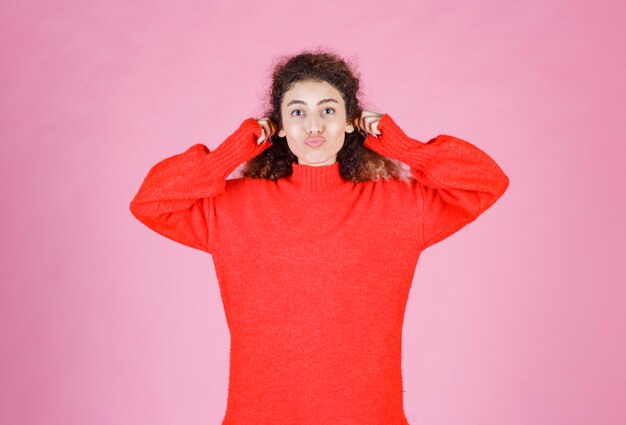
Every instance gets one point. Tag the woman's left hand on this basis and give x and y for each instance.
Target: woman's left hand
(368, 121)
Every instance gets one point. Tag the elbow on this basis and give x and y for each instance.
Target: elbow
(503, 185)
(136, 211)
(499, 183)
(135, 207)
(142, 211)
(488, 198)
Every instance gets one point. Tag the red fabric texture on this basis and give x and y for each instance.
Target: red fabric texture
(315, 270)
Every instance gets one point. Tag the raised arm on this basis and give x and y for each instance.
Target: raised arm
(176, 198)
(457, 180)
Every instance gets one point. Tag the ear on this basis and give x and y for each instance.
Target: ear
(349, 128)
(281, 133)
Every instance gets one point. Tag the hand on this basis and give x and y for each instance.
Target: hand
(269, 129)
(368, 121)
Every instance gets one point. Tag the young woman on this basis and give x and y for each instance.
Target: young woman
(315, 244)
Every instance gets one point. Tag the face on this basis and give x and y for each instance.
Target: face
(314, 109)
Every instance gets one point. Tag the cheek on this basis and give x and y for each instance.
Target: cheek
(294, 146)
(337, 126)
(291, 129)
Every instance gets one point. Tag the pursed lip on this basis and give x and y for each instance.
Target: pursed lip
(315, 139)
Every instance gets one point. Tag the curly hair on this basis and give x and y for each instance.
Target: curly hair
(356, 162)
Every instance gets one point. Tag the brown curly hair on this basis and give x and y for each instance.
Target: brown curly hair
(356, 162)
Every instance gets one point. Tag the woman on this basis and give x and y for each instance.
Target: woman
(315, 245)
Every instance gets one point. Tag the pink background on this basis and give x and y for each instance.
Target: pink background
(517, 319)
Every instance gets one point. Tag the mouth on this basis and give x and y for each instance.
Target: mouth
(314, 141)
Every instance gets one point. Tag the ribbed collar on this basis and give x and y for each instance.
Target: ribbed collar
(316, 179)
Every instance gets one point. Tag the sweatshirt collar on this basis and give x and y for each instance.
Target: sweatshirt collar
(316, 179)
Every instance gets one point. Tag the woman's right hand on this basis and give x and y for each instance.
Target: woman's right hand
(269, 129)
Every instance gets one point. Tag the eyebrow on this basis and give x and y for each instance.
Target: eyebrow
(319, 103)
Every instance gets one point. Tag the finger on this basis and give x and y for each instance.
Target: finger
(367, 124)
(369, 127)
(276, 128)
(261, 124)
(373, 121)
(361, 125)
(265, 131)
(375, 129)
(260, 139)
(272, 126)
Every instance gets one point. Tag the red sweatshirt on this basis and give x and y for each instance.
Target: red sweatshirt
(314, 270)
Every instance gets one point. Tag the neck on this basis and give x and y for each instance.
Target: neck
(316, 179)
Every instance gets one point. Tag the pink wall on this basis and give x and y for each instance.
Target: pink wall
(518, 319)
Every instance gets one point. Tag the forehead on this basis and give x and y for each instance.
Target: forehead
(311, 92)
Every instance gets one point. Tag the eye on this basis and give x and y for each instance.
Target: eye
(294, 111)
(330, 109)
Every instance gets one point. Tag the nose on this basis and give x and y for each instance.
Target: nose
(313, 126)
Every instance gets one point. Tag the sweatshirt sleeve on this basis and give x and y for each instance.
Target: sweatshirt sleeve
(457, 181)
(176, 198)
